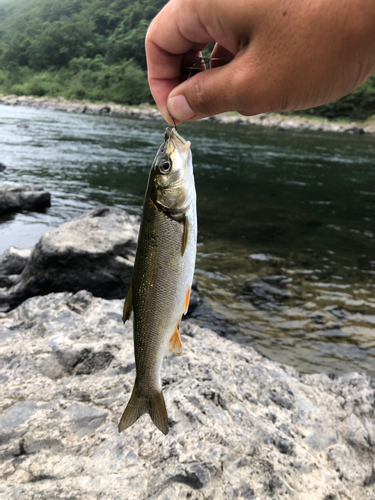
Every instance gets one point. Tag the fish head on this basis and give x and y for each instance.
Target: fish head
(171, 185)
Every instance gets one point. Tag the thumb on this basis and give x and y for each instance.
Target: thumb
(208, 93)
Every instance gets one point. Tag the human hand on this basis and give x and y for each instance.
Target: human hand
(271, 55)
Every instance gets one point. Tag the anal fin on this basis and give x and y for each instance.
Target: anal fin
(174, 344)
(128, 306)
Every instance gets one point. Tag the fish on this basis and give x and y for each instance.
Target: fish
(159, 293)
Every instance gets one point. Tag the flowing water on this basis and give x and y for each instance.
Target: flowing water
(286, 254)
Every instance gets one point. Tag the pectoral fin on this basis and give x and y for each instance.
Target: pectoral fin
(128, 306)
(185, 234)
(174, 344)
(187, 301)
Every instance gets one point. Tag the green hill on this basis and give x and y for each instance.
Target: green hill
(94, 49)
(90, 49)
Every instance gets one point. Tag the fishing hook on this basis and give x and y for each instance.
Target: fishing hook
(194, 67)
(198, 62)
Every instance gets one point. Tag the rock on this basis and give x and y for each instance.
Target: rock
(267, 290)
(14, 260)
(2, 167)
(17, 198)
(94, 251)
(12, 263)
(146, 111)
(294, 122)
(241, 426)
(61, 104)
(195, 299)
(105, 110)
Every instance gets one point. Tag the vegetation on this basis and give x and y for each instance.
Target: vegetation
(94, 49)
(359, 105)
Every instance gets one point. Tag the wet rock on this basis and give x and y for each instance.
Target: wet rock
(2, 166)
(195, 299)
(262, 257)
(105, 110)
(241, 426)
(17, 198)
(14, 260)
(94, 252)
(12, 263)
(267, 289)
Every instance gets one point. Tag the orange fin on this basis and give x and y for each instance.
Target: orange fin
(185, 235)
(175, 342)
(187, 301)
(128, 306)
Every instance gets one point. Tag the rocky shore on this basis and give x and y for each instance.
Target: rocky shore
(281, 122)
(93, 252)
(18, 198)
(241, 426)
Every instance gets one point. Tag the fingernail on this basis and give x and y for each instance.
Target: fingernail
(179, 108)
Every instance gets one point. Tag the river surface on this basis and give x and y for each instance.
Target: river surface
(286, 254)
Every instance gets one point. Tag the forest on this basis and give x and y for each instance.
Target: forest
(94, 50)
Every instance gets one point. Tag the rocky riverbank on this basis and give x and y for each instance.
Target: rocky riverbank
(93, 252)
(241, 426)
(282, 122)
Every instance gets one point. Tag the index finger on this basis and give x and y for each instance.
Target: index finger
(168, 40)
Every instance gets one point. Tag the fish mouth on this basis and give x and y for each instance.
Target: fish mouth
(173, 140)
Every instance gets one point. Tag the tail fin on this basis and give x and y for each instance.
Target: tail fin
(137, 406)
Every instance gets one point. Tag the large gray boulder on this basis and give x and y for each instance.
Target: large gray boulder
(94, 252)
(241, 426)
(17, 198)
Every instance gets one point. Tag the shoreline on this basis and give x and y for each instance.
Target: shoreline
(147, 111)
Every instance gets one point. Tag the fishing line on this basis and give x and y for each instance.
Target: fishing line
(174, 121)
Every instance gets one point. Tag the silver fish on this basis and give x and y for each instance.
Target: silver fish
(159, 294)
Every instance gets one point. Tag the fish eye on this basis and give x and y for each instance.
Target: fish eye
(165, 167)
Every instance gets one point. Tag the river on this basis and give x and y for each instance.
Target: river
(286, 257)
